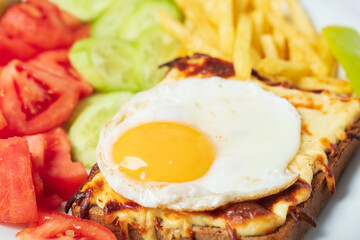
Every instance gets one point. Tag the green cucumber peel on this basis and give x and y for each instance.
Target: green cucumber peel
(88, 119)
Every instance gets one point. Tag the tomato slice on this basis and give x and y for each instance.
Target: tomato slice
(40, 23)
(3, 122)
(51, 202)
(61, 175)
(11, 48)
(37, 146)
(18, 201)
(33, 100)
(57, 62)
(54, 225)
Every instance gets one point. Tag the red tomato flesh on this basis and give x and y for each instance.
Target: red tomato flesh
(3, 122)
(11, 48)
(51, 202)
(54, 225)
(40, 23)
(62, 176)
(57, 62)
(36, 145)
(18, 201)
(33, 100)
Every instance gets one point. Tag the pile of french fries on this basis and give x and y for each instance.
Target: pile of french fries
(274, 37)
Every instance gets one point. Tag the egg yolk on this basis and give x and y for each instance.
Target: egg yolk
(164, 152)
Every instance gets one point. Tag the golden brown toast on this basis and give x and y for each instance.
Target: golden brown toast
(292, 229)
(298, 218)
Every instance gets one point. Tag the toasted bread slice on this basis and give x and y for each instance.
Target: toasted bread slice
(292, 229)
(134, 225)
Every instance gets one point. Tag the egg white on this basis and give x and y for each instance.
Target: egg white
(255, 134)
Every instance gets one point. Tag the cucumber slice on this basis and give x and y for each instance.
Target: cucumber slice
(113, 19)
(85, 10)
(155, 47)
(96, 111)
(80, 106)
(345, 45)
(145, 16)
(108, 65)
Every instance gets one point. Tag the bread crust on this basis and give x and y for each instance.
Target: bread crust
(292, 229)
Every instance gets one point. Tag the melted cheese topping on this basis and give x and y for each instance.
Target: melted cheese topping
(145, 219)
(324, 120)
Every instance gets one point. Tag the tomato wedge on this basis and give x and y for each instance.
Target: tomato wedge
(11, 48)
(37, 146)
(3, 122)
(57, 62)
(42, 24)
(33, 100)
(17, 202)
(61, 176)
(54, 225)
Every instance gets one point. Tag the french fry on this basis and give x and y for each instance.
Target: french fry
(282, 25)
(184, 36)
(262, 5)
(327, 56)
(255, 57)
(257, 18)
(268, 46)
(281, 44)
(242, 59)
(301, 51)
(276, 8)
(275, 37)
(335, 85)
(302, 21)
(241, 6)
(296, 53)
(277, 67)
(220, 14)
(200, 25)
(226, 26)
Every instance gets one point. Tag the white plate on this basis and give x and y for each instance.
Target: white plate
(340, 217)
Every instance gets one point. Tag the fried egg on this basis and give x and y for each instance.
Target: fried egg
(199, 144)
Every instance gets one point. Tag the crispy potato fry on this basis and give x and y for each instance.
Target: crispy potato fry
(326, 55)
(277, 67)
(242, 59)
(258, 21)
(282, 25)
(301, 51)
(255, 57)
(335, 85)
(281, 44)
(296, 53)
(184, 36)
(200, 25)
(262, 5)
(302, 21)
(220, 13)
(275, 37)
(276, 7)
(268, 46)
(241, 6)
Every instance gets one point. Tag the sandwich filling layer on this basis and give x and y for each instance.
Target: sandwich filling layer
(324, 119)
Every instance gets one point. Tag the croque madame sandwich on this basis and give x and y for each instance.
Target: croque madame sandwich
(202, 156)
